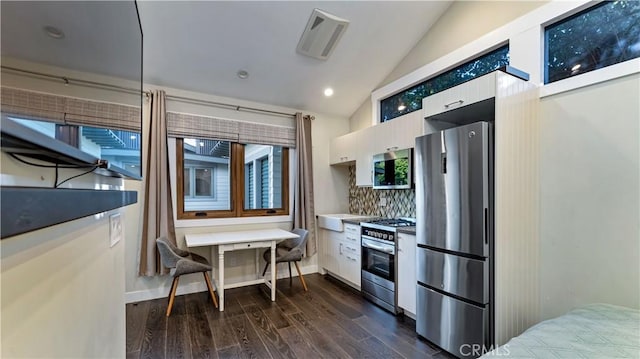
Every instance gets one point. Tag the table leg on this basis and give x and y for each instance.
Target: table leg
(221, 279)
(273, 271)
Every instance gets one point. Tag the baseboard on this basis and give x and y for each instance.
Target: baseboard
(163, 292)
(196, 287)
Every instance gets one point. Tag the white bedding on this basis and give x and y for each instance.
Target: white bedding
(592, 331)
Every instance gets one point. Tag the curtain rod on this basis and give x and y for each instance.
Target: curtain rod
(69, 80)
(229, 106)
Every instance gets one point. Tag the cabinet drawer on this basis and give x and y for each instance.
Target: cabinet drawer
(470, 92)
(464, 277)
(355, 239)
(351, 249)
(264, 244)
(451, 323)
(352, 229)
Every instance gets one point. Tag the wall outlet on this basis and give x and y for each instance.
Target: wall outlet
(383, 201)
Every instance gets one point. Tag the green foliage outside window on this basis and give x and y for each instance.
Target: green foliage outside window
(600, 36)
(411, 99)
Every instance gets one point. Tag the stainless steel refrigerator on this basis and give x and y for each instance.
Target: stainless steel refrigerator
(454, 229)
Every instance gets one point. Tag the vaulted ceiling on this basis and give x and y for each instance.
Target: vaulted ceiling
(201, 45)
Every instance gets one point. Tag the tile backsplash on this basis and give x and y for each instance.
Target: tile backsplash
(366, 201)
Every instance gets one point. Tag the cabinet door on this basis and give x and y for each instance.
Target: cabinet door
(364, 159)
(332, 242)
(343, 149)
(397, 134)
(476, 90)
(407, 272)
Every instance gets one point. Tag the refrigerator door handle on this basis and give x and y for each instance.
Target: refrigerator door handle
(443, 162)
(486, 226)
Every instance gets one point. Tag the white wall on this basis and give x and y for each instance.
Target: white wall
(590, 196)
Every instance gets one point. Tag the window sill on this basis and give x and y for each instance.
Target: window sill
(591, 78)
(213, 222)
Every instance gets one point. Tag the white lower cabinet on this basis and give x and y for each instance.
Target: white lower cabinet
(341, 254)
(406, 247)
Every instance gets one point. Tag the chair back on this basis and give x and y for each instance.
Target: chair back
(300, 242)
(168, 256)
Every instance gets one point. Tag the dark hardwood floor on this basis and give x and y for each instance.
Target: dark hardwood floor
(330, 320)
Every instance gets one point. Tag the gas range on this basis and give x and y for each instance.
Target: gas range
(385, 228)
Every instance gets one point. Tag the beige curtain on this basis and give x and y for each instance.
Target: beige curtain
(303, 208)
(157, 220)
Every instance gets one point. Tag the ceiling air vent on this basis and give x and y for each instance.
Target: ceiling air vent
(321, 35)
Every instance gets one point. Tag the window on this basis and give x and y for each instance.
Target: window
(119, 147)
(227, 179)
(410, 99)
(600, 36)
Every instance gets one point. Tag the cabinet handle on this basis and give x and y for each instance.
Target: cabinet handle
(459, 102)
(340, 248)
(392, 148)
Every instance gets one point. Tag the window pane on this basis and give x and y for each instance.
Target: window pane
(600, 36)
(263, 177)
(120, 148)
(209, 163)
(203, 182)
(411, 99)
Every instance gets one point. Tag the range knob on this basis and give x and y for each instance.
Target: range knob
(384, 236)
(391, 237)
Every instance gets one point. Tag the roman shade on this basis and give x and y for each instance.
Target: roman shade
(69, 110)
(186, 125)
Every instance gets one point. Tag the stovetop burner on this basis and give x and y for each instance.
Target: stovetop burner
(393, 222)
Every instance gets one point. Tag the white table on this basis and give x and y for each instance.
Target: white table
(237, 240)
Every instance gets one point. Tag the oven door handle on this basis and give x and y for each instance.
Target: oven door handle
(368, 244)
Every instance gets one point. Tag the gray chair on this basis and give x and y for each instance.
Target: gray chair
(289, 250)
(183, 262)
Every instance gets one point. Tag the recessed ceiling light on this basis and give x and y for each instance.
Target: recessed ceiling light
(243, 74)
(328, 92)
(54, 32)
(133, 137)
(576, 67)
(402, 107)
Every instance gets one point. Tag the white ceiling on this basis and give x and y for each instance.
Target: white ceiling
(201, 45)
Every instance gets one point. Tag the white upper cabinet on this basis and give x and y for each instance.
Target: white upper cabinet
(360, 146)
(343, 149)
(397, 134)
(470, 92)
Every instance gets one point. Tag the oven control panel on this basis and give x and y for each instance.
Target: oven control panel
(379, 234)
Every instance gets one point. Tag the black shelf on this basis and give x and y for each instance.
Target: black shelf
(21, 140)
(26, 209)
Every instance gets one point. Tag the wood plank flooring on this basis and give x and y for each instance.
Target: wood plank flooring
(331, 320)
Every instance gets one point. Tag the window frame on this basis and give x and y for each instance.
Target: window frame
(236, 188)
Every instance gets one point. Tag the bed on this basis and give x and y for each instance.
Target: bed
(592, 331)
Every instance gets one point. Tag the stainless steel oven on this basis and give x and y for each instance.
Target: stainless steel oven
(379, 265)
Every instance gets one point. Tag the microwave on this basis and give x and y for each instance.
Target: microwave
(393, 170)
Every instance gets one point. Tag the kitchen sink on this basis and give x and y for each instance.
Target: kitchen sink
(334, 222)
